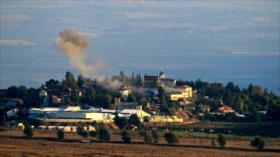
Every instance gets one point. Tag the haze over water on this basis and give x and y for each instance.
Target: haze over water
(217, 41)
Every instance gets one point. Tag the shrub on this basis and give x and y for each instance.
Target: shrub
(94, 123)
(60, 134)
(80, 129)
(104, 135)
(147, 137)
(133, 119)
(27, 131)
(221, 140)
(82, 132)
(146, 119)
(141, 133)
(171, 138)
(155, 136)
(93, 133)
(213, 142)
(258, 143)
(121, 122)
(35, 122)
(126, 136)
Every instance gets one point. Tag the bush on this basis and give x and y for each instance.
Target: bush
(171, 138)
(104, 135)
(258, 143)
(146, 119)
(94, 123)
(141, 133)
(213, 142)
(155, 136)
(35, 122)
(60, 134)
(121, 122)
(93, 133)
(147, 137)
(221, 140)
(80, 129)
(133, 119)
(27, 131)
(126, 136)
(82, 132)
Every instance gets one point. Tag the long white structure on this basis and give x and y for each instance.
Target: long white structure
(94, 114)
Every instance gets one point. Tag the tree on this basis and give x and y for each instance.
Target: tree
(33, 97)
(80, 81)
(258, 143)
(143, 102)
(27, 131)
(125, 136)
(17, 92)
(240, 105)
(221, 140)
(121, 122)
(108, 100)
(60, 134)
(167, 109)
(131, 98)
(104, 135)
(70, 80)
(171, 138)
(155, 136)
(122, 75)
(133, 119)
(12, 92)
(52, 84)
(274, 111)
(89, 96)
(161, 95)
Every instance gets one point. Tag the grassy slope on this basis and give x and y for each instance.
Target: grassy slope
(45, 143)
(237, 129)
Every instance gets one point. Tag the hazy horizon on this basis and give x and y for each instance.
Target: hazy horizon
(216, 41)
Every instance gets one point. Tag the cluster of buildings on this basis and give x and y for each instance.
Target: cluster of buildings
(123, 109)
(176, 94)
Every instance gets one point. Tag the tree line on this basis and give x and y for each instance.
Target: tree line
(248, 100)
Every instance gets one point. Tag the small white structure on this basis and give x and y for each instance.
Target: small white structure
(128, 112)
(125, 91)
(12, 113)
(166, 119)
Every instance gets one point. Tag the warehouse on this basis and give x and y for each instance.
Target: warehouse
(94, 114)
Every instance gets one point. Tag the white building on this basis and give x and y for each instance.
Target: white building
(93, 114)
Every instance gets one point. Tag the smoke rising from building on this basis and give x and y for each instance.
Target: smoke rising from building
(75, 45)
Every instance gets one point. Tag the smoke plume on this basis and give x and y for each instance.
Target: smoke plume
(75, 45)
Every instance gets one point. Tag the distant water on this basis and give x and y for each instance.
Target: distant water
(33, 69)
(216, 41)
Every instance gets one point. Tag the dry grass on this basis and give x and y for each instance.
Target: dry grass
(45, 143)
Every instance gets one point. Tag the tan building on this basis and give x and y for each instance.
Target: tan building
(185, 93)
